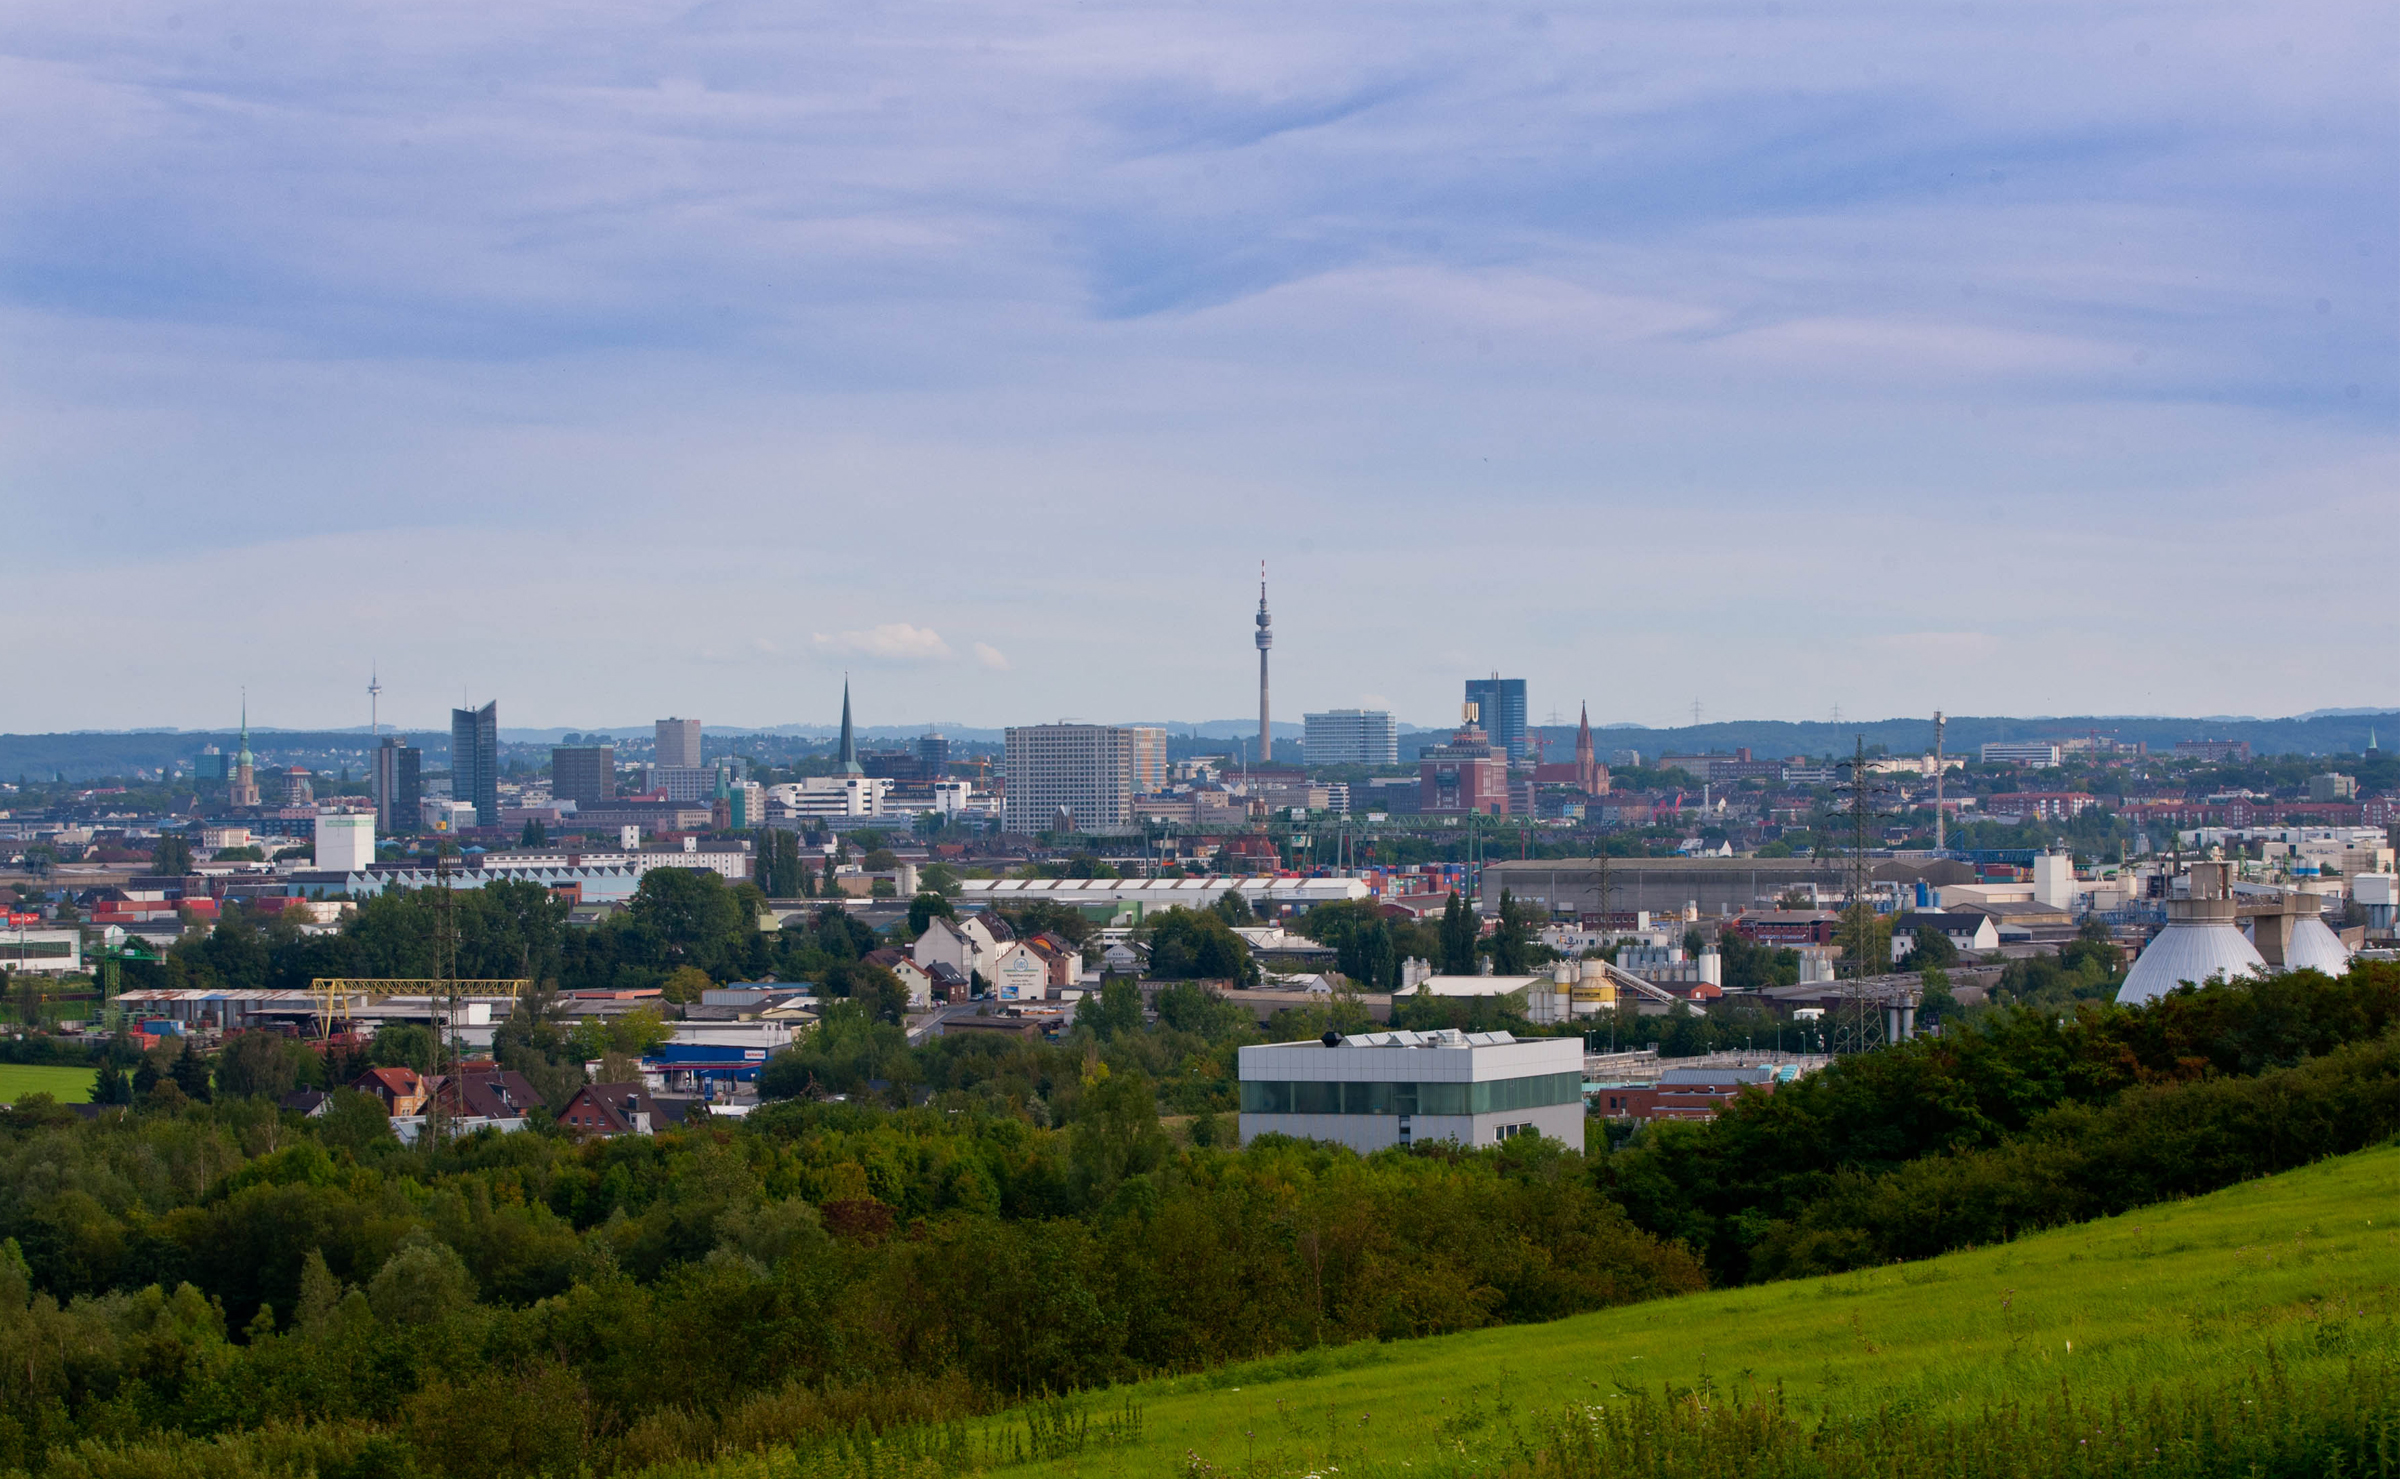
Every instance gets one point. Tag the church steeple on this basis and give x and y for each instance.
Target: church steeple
(847, 761)
(243, 790)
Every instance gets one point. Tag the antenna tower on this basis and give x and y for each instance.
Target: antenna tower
(1941, 818)
(445, 975)
(1866, 1007)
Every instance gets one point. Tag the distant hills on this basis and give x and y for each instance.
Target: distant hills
(88, 754)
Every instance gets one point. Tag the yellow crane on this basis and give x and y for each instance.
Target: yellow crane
(334, 994)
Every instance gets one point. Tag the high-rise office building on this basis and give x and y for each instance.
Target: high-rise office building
(584, 774)
(1350, 737)
(397, 788)
(933, 754)
(1069, 777)
(475, 761)
(1149, 759)
(678, 742)
(1500, 713)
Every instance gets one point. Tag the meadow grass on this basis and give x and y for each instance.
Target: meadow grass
(66, 1085)
(2293, 1276)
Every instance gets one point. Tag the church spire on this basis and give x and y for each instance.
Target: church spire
(847, 761)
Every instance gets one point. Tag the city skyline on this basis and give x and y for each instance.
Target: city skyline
(1217, 727)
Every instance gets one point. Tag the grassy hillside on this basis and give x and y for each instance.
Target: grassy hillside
(2293, 1273)
(66, 1085)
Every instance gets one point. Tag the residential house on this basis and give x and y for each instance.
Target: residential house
(399, 1090)
(918, 979)
(483, 1091)
(609, 1109)
(970, 946)
(1972, 932)
(1065, 962)
(1020, 973)
(948, 984)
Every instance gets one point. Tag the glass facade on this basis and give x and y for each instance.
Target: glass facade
(1269, 1096)
(1500, 705)
(475, 761)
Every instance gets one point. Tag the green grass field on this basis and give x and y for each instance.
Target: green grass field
(2304, 1264)
(66, 1085)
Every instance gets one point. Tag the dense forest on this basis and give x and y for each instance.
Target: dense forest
(200, 1265)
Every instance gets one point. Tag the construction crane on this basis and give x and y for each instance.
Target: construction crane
(334, 994)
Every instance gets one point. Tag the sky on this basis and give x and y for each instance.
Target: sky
(614, 360)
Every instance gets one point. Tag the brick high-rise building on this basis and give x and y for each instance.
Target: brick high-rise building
(1468, 776)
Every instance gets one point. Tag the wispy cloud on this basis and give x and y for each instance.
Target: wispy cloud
(897, 642)
(991, 657)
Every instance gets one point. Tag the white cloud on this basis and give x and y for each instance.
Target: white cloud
(991, 657)
(892, 642)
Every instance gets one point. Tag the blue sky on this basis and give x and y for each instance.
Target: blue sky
(621, 359)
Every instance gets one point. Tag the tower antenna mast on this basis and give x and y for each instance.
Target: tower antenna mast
(1265, 639)
(1941, 818)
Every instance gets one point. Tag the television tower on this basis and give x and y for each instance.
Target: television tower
(1266, 639)
(374, 700)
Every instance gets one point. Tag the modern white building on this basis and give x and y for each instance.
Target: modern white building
(1070, 777)
(1268, 894)
(821, 796)
(2042, 754)
(49, 952)
(1379, 1089)
(1350, 737)
(345, 840)
(958, 799)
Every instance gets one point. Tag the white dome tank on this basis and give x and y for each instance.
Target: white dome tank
(2200, 943)
(2315, 947)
